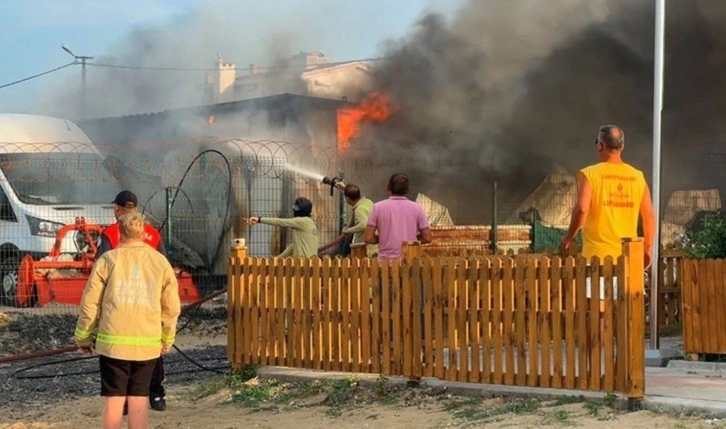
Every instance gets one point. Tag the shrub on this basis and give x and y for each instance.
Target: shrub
(708, 241)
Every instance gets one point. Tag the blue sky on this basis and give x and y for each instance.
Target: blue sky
(32, 32)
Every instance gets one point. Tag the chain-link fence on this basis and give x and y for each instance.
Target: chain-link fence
(198, 195)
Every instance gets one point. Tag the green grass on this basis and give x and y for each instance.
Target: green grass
(340, 395)
(560, 417)
(594, 408)
(208, 388)
(386, 394)
(271, 393)
(569, 399)
(233, 380)
(471, 409)
(253, 395)
(610, 400)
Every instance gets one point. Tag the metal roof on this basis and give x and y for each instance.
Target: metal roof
(270, 102)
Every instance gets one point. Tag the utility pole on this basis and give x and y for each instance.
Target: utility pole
(82, 59)
(653, 354)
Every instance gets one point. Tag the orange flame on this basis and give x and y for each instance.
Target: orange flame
(375, 108)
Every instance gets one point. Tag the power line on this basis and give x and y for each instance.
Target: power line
(194, 69)
(38, 75)
(197, 69)
(119, 66)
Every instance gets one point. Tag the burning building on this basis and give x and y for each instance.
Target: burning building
(224, 162)
(509, 92)
(483, 97)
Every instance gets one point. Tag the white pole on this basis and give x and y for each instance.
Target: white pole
(657, 108)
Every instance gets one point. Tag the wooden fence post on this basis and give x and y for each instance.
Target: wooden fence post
(633, 250)
(411, 250)
(237, 253)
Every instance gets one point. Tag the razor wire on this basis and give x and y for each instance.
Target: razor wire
(150, 168)
(65, 177)
(263, 183)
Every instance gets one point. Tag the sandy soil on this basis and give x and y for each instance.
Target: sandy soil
(220, 407)
(213, 412)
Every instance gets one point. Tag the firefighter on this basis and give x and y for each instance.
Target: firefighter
(304, 232)
(126, 202)
(361, 208)
(125, 281)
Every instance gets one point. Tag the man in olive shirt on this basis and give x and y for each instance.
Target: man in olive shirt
(304, 232)
(362, 207)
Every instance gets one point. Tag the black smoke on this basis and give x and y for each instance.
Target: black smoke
(505, 90)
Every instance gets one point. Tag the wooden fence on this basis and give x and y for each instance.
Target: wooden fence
(669, 278)
(669, 288)
(518, 320)
(704, 299)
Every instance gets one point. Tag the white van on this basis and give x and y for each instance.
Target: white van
(50, 174)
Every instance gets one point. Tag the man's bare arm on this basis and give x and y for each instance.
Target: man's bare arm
(335, 242)
(425, 236)
(369, 236)
(582, 207)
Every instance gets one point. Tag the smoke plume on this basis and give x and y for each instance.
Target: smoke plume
(504, 90)
(501, 91)
(164, 66)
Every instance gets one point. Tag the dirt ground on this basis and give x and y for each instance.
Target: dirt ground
(210, 400)
(217, 412)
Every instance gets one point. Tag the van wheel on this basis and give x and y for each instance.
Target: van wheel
(9, 277)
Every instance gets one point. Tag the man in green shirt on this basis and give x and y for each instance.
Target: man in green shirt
(304, 232)
(361, 208)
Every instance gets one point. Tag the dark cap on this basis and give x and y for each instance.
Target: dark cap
(126, 199)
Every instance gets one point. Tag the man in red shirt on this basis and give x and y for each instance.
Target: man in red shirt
(126, 202)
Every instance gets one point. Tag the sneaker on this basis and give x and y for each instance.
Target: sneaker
(157, 403)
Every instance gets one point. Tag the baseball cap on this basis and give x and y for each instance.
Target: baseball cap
(126, 199)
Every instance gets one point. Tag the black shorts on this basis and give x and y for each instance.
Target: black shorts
(125, 377)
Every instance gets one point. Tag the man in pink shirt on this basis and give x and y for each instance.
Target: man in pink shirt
(397, 219)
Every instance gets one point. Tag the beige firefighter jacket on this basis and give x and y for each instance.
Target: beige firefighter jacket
(131, 304)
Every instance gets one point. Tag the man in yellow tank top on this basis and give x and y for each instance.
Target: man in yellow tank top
(611, 196)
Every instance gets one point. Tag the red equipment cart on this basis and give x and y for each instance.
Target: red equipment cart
(60, 278)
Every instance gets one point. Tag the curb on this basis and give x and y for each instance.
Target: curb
(664, 404)
(687, 365)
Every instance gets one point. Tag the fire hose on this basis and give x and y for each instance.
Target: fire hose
(67, 349)
(184, 309)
